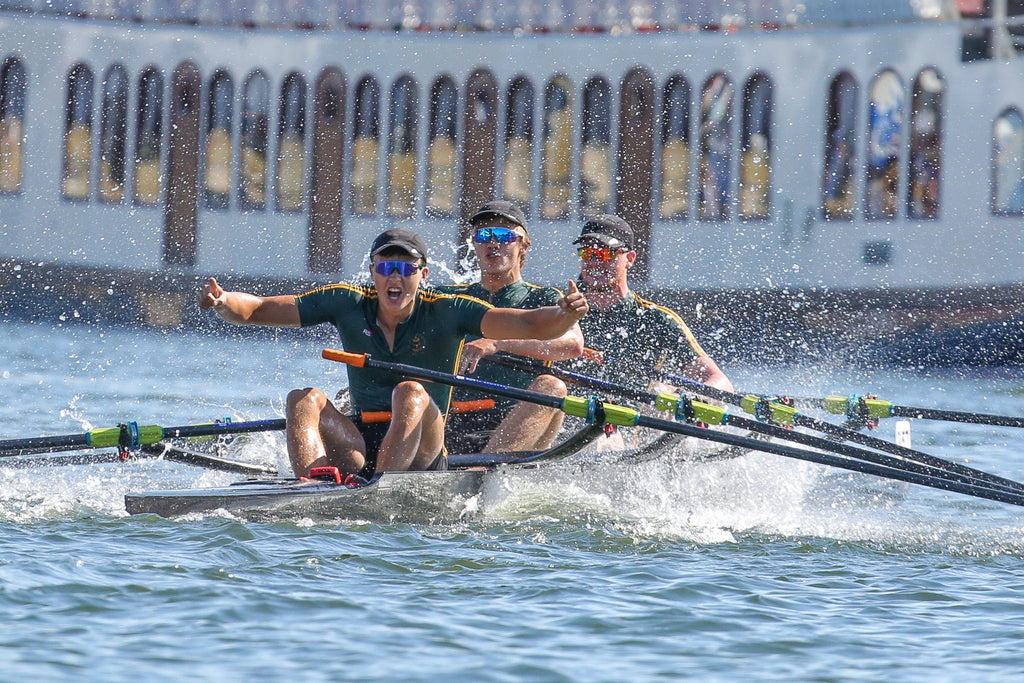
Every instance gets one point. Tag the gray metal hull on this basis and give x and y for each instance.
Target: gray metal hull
(394, 496)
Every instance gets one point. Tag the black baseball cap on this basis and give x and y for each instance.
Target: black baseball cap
(609, 230)
(400, 238)
(501, 209)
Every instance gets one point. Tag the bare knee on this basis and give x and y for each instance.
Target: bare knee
(550, 385)
(300, 400)
(411, 394)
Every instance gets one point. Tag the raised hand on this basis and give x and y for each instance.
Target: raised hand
(211, 295)
(475, 350)
(574, 303)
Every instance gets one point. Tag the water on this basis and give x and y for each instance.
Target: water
(755, 568)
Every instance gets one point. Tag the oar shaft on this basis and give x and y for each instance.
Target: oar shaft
(110, 437)
(856, 406)
(976, 490)
(957, 416)
(912, 459)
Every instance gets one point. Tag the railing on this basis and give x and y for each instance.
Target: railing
(614, 16)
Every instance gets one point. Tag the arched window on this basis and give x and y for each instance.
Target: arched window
(925, 165)
(885, 137)
(291, 143)
(675, 149)
(1008, 163)
(402, 149)
(12, 124)
(556, 166)
(595, 163)
(252, 177)
(148, 137)
(715, 179)
(840, 146)
(217, 152)
(113, 135)
(441, 153)
(78, 133)
(517, 182)
(365, 147)
(756, 148)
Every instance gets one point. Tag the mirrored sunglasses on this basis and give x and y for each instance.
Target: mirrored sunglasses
(501, 235)
(404, 268)
(597, 253)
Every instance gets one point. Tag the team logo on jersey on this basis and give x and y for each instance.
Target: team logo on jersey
(417, 344)
(367, 331)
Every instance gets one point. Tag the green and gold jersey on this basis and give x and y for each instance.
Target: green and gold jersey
(636, 337)
(519, 294)
(432, 337)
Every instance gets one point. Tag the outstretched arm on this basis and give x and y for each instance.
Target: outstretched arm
(568, 345)
(548, 322)
(248, 309)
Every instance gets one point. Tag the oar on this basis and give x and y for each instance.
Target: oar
(157, 450)
(858, 407)
(769, 411)
(130, 436)
(693, 410)
(596, 411)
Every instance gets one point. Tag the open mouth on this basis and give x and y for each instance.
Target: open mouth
(394, 293)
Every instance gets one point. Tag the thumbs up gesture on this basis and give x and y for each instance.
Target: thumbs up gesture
(211, 295)
(574, 304)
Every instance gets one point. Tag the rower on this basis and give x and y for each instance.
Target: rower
(501, 242)
(392, 318)
(633, 336)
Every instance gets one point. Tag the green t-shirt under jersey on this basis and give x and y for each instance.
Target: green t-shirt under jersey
(431, 338)
(519, 294)
(636, 337)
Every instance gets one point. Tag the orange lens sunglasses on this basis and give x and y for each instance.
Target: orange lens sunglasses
(597, 253)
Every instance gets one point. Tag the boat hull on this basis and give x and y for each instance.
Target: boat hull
(394, 496)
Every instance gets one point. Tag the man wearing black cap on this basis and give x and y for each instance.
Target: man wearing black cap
(501, 241)
(634, 336)
(392, 319)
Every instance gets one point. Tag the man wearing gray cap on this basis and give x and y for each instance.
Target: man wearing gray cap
(634, 337)
(501, 241)
(394, 319)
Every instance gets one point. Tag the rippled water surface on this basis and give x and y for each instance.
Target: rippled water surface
(754, 568)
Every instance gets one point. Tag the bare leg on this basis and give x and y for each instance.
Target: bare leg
(416, 433)
(530, 427)
(319, 435)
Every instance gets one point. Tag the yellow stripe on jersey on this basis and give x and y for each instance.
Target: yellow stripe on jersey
(690, 339)
(370, 292)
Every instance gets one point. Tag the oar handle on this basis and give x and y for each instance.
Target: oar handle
(356, 360)
(372, 416)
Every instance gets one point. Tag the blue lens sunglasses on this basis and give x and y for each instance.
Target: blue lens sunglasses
(500, 235)
(404, 268)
